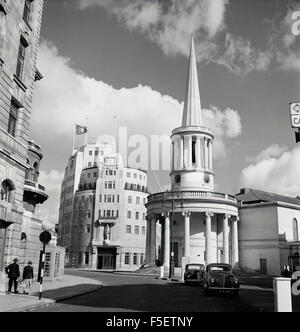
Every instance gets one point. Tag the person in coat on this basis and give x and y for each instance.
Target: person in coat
(28, 276)
(13, 273)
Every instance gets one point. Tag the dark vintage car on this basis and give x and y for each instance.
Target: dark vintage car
(194, 274)
(220, 278)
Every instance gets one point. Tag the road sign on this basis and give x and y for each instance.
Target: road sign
(295, 114)
(45, 237)
(295, 108)
(295, 121)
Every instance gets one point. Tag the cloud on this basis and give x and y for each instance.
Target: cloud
(277, 172)
(170, 26)
(49, 211)
(273, 151)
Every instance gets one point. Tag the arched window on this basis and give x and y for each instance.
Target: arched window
(6, 191)
(35, 172)
(295, 230)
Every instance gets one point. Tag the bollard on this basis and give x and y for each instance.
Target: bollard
(161, 272)
(282, 294)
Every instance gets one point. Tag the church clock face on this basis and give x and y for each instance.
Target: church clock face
(206, 178)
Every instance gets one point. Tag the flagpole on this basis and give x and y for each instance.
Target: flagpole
(86, 134)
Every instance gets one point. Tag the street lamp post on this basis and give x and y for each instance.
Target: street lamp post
(172, 262)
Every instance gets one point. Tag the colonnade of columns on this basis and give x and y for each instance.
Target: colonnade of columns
(230, 225)
(182, 152)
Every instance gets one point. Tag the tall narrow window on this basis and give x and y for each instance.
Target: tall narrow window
(21, 59)
(27, 10)
(194, 151)
(295, 230)
(13, 117)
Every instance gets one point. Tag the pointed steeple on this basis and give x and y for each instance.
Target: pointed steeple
(192, 114)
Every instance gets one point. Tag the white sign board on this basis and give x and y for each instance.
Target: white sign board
(295, 114)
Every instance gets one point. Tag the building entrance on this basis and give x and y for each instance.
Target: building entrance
(107, 258)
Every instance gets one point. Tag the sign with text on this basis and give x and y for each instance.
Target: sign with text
(295, 114)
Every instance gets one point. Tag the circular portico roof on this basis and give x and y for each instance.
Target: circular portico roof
(194, 201)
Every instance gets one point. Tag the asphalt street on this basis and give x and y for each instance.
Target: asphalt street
(128, 293)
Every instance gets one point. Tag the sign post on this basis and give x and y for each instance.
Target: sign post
(45, 238)
(295, 118)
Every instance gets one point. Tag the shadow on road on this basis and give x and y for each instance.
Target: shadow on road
(170, 297)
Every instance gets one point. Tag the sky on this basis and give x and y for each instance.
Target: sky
(123, 63)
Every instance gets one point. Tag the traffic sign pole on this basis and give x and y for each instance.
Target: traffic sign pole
(42, 270)
(45, 238)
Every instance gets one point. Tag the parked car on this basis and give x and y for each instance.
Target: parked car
(220, 278)
(194, 274)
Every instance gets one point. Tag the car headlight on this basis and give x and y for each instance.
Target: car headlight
(236, 280)
(212, 280)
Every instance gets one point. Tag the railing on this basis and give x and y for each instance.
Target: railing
(34, 185)
(12, 145)
(191, 195)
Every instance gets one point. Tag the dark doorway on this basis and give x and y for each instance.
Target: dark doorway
(107, 258)
(263, 266)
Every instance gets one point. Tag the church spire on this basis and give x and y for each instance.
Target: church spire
(192, 114)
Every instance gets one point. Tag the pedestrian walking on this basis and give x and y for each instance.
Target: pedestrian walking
(28, 276)
(13, 273)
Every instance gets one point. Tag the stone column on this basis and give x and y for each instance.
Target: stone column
(226, 239)
(190, 149)
(148, 241)
(198, 152)
(166, 262)
(187, 233)
(153, 240)
(208, 242)
(205, 153)
(210, 154)
(181, 152)
(235, 241)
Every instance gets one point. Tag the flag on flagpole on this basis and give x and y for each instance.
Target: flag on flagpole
(81, 130)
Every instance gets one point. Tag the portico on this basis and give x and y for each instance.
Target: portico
(198, 225)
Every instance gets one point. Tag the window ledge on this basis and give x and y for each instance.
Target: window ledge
(28, 24)
(20, 83)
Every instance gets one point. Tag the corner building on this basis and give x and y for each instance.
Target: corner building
(105, 218)
(197, 225)
(20, 226)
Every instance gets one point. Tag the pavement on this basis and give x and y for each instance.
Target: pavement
(65, 288)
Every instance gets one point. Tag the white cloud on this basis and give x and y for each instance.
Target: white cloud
(273, 151)
(49, 211)
(278, 172)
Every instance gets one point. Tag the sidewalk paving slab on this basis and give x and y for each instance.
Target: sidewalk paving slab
(53, 291)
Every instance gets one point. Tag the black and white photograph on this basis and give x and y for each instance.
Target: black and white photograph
(149, 159)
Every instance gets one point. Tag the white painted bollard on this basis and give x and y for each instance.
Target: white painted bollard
(161, 272)
(283, 294)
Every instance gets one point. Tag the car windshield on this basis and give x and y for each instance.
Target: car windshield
(194, 267)
(220, 268)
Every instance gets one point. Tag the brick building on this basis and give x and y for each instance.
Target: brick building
(20, 24)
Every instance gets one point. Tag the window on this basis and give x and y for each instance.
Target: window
(143, 230)
(89, 214)
(137, 215)
(27, 10)
(88, 229)
(129, 199)
(136, 230)
(89, 164)
(194, 150)
(128, 175)
(13, 118)
(100, 198)
(128, 229)
(99, 213)
(295, 230)
(105, 198)
(127, 258)
(135, 258)
(135, 175)
(118, 198)
(117, 214)
(35, 173)
(96, 153)
(21, 59)
(129, 214)
(6, 191)
(138, 200)
(142, 259)
(144, 216)
(90, 153)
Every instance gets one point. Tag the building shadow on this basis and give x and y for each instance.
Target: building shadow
(167, 298)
